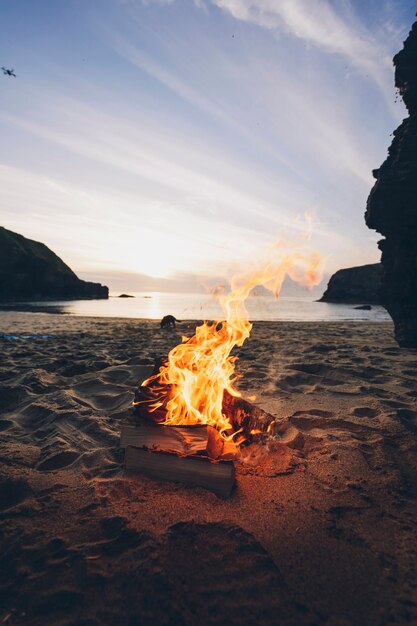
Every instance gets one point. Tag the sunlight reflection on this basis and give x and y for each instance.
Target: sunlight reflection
(154, 303)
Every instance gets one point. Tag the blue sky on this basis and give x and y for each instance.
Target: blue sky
(173, 138)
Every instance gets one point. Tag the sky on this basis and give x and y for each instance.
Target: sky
(155, 143)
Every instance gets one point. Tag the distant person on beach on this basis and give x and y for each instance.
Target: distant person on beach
(168, 321)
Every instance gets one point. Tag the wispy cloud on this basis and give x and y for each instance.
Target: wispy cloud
(190, 148)
(107, 140)
(266, 87)
(185, 80)
(186, 199)
(199, 222)
(317, 23)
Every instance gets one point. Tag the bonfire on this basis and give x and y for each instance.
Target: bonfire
(192, 393)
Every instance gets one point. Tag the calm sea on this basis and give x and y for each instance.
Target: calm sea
(199, 306)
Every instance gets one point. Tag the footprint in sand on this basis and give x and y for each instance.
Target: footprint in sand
(408, 418)
(11, 397)
(321, 348)
(75, 369)
(395, 404)
(100, 395)
(13, 492)
(57, 551)
(58, 461)
(215, 554)
(315, 413)
(62, 600)
(119, 537)
(36, 412)
(126, 374)
(364, 411)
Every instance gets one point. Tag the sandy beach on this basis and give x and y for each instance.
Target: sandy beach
(321, 528)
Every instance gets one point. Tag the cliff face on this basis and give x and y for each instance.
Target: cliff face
(30, 271)
(355, 285)
(392, 205)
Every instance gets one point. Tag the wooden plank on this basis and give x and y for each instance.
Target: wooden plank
(179, 439)
(218, 477)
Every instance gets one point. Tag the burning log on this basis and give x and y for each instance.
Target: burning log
(192, 454)
(242, 415)
(194, 386)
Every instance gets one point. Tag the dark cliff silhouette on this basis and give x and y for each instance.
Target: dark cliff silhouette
(355, 285)
(392, 205)
(29, 270)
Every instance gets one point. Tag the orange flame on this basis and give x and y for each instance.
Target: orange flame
(191, 385)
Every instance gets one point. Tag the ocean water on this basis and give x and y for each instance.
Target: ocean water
(200, 306)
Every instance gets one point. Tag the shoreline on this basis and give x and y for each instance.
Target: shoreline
(155, 320)
(194, 307)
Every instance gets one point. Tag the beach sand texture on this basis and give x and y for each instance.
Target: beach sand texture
(321, 528)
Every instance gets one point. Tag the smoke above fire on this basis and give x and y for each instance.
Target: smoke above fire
(189, 386)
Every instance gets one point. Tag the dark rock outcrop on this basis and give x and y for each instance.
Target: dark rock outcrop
(354, 285)
(29, 270)
(392, 205)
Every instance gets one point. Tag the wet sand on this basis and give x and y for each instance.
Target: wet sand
(321, 528)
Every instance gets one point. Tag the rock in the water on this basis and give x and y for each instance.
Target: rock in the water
(29, 270)
(354, 285)
(363, 307)
(125, 295)
(392, 205)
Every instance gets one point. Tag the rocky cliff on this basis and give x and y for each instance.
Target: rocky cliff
(392, 205)
(355, 285)
(31, 271)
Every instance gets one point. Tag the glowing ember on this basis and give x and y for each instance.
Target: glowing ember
(190, 385)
